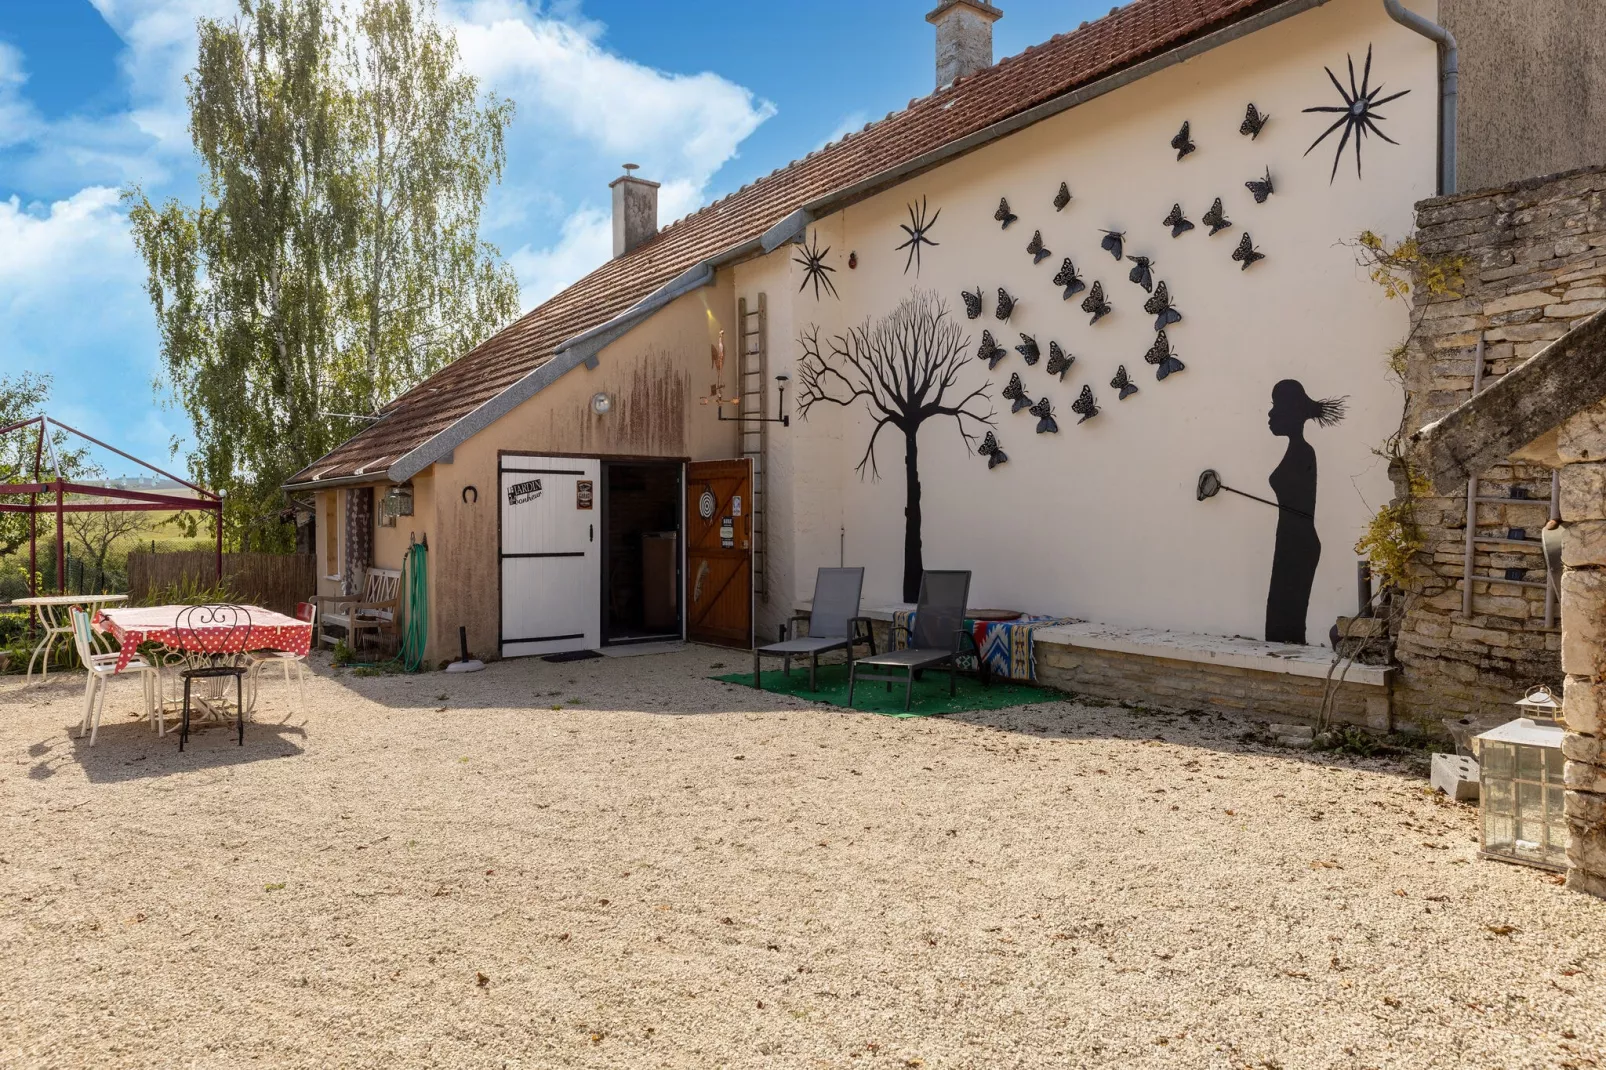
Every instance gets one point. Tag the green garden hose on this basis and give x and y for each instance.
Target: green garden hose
(416, 584)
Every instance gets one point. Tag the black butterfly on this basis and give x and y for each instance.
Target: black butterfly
(1004, 215)
(1085, 405)
(1178, 223)
(989, 351)
(1035, 247)
(1253, 122)
(1045, 417)
(1059, 361)
(1142, 275)
(1123, 384)
(972, 303)
(1112, 242)
(1161, 356)
(1016, 393)
(1062, 198)
(1216, 218)
(1094, 302)
(1246, 252)
(989, 449)
(1159, 306)
(1261, 188)
(1006, 305)
(1028, 349)
(1069, 279)
(1183, 143)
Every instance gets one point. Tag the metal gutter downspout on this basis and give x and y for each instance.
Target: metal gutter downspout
(1449, 85)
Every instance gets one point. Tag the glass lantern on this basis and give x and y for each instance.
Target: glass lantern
(1520, 767)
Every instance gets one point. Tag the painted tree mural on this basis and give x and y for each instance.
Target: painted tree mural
(905, 368)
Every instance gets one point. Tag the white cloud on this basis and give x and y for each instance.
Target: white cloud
(17, 119)
(78, 240)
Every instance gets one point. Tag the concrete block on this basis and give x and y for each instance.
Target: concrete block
(1456, 775)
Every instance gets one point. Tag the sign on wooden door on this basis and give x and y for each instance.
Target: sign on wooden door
(719, 552)
(551, 570)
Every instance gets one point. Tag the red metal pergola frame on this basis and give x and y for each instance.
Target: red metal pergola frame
(126, 500)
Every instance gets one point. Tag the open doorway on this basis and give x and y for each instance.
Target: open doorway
(641, 551)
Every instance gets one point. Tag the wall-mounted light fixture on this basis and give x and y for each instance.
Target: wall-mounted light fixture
(601, 403)
(780, 407)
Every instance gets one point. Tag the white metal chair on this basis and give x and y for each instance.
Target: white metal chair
(101, 668)
(261, 659)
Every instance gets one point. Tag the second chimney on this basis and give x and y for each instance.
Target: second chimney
(635, 211)
(964, 38)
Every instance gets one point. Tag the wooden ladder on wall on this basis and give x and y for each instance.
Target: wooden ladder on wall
(1476, 497)
(752, 334)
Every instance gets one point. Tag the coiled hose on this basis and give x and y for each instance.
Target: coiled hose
(415, 581)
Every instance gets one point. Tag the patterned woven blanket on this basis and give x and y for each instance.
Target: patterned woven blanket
(1006, 646)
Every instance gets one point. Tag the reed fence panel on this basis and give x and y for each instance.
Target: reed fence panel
(273, 581)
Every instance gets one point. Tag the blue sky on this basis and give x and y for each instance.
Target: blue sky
(705, 94)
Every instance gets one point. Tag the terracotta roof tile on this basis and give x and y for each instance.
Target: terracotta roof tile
(1065, 62)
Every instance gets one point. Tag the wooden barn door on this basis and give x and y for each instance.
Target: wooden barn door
(719, 552)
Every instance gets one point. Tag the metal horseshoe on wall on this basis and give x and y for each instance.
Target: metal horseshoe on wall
(471, 490)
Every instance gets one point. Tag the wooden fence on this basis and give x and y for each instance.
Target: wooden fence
(274, 581)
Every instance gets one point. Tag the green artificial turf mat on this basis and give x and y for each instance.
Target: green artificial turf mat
(930, 696)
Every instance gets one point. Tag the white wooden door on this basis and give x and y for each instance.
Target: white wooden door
(551, 563)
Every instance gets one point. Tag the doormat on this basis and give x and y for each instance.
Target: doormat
(930, 695)
(571, 655)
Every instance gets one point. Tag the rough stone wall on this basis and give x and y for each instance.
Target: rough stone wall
(1535, 265)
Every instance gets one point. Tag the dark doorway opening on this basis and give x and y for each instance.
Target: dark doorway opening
(641, 551)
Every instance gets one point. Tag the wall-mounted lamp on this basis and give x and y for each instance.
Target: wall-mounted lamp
(780, 407)
(601, 403)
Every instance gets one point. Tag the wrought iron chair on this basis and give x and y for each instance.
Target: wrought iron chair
(213, 637)
(833, 624)
(934, 642)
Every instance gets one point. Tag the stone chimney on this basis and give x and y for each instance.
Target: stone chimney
(964, 38)
(635, 210)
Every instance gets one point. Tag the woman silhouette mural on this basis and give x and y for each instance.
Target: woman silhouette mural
(1298, 550)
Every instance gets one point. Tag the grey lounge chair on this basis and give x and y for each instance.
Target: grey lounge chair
(833, 624)
(935, 642)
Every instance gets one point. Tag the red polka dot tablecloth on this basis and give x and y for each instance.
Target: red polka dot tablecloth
(175, 629)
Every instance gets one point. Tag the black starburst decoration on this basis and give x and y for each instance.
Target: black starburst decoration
(1359, 110)
(917, 229)
(815, 269)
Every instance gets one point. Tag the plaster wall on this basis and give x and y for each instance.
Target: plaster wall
(655, 375)
(1533, 87)
(1100, 521)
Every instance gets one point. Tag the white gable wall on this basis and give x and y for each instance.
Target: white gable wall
(1100, 521)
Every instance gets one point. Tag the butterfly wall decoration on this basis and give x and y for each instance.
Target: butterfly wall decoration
(1015, 393)
(1357, 115)
(972, 303)
(1178, 222)
(1164, 360)
(1028, 350)
(1126, 386)
(989, 449)
(1113, 242)
(990, 351)
(918, 228)
(1142, 273)
(1059, 361)
(1062, 198)
(1159, 306)
(1253, 123)
(1094, 302)
(1069, 279)
(1183, 142)
(1044, 411)
(1216, 219)
(1036, 248)
(1085, 405)
(1246, 253)
(811, 258)
(1004, 215)
(1006, 305)
(1261, 187)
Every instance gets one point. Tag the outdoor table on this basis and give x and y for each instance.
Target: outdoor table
(48, 605)
(134, 626)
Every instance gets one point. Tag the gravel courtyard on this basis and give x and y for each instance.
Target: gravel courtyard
(622, 863)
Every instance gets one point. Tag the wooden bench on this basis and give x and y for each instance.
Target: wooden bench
(376, 611)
